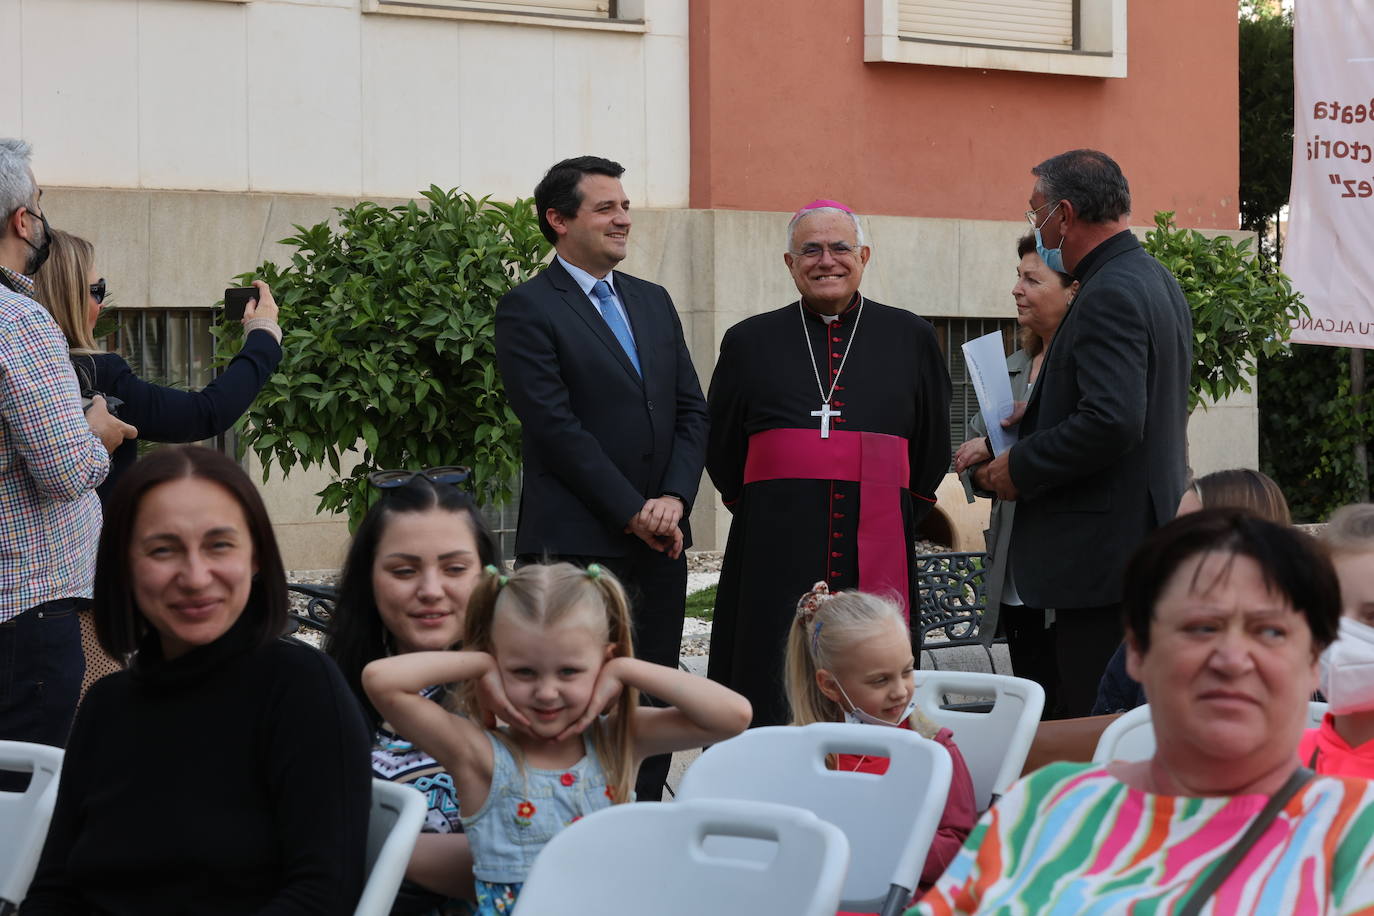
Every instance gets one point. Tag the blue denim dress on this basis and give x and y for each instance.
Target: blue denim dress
(524, 809)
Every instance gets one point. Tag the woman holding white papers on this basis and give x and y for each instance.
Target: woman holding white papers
(1042, 300)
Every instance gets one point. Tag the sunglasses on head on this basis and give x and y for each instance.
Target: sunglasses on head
(387, 480)
(98, 291)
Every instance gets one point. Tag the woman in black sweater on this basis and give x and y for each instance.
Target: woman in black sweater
(69, 287)
(226, 771)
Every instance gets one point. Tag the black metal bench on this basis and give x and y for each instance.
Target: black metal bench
(952, 598)
(319, 609)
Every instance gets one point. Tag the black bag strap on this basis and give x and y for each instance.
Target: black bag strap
(1204, 891)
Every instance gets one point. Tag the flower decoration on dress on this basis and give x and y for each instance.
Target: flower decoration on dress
(610, 793)
(523, 812)
(568, 779)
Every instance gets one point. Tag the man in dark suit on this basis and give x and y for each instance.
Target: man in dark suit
(596, 367)
(1102, 455)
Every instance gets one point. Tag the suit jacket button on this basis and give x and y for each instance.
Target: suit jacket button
(651, 405)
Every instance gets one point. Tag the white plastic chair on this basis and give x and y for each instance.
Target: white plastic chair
(1132, 737)
(393, 823)
(24, 816)
(653, 857)
(994, 743)
(889, 820)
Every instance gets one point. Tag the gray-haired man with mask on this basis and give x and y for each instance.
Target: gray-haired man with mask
(52, 456)
(1102, 456)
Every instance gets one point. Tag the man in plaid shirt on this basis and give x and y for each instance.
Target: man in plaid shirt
(51, 459)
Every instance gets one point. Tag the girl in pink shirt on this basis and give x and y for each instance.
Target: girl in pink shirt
(1344, 743)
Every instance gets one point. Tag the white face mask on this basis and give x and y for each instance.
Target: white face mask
(856, 716)
(1347, 669)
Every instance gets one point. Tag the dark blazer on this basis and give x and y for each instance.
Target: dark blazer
(598, 440)
(1102, 458)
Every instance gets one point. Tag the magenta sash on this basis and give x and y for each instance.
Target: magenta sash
(878, 463)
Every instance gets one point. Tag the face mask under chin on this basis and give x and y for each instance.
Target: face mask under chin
(856, 716)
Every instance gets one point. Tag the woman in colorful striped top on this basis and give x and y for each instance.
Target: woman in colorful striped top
(1226, 616)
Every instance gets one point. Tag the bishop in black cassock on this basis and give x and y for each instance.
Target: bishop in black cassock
(829, 434)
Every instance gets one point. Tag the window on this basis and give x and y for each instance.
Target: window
(953, 333)
(617, 15)
(1072, 37)
(172, 347)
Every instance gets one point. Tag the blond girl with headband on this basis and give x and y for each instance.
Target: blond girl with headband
(849, 659)
(548, 650)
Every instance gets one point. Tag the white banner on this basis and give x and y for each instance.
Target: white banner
(1329, 249)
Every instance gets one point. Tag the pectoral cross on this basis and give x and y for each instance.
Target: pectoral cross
(825, 413)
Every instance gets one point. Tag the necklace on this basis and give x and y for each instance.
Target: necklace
(826, 411)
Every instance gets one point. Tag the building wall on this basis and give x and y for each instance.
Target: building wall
(785, 109)
(317, 97)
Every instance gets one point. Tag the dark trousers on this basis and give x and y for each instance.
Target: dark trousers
(1031, 646)
(41, 665)
(1085, 638)
(657, 589)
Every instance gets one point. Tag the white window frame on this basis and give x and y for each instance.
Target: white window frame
(1101, 51)
(629, 14)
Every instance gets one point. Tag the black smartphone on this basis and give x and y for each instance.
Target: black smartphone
(236, 299)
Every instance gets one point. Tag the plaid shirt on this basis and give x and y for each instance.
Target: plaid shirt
(50, 461)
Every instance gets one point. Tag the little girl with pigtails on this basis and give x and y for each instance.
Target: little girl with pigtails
(548, 651)
(849, 659)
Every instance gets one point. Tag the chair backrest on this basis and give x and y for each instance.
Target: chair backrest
(889, 820)
(24, 816)
(994, 743)
(1132, 737)
(654, 857)
(393, 823)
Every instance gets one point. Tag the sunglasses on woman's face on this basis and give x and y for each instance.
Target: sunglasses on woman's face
(98, 291)
(386, 480)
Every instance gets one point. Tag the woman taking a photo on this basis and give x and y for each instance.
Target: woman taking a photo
(404, 588)
(70, 287)
(225, 771)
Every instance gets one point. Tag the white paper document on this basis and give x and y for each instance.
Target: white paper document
(987, 369)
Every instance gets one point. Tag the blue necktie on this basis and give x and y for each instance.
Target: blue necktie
(602, 291)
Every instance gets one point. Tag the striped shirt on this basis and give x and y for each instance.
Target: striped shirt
(50, 461)
(1073, 839)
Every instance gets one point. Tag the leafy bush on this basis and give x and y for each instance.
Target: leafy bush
(1241, 306)
(388, 342)
(1310, 424)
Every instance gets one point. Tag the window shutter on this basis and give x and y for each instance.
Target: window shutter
(1046, 24)
(586, 8)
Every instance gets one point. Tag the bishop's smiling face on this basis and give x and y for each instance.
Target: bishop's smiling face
(827, 281)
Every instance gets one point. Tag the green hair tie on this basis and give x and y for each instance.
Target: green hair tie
(593, 571)
(501, 578)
